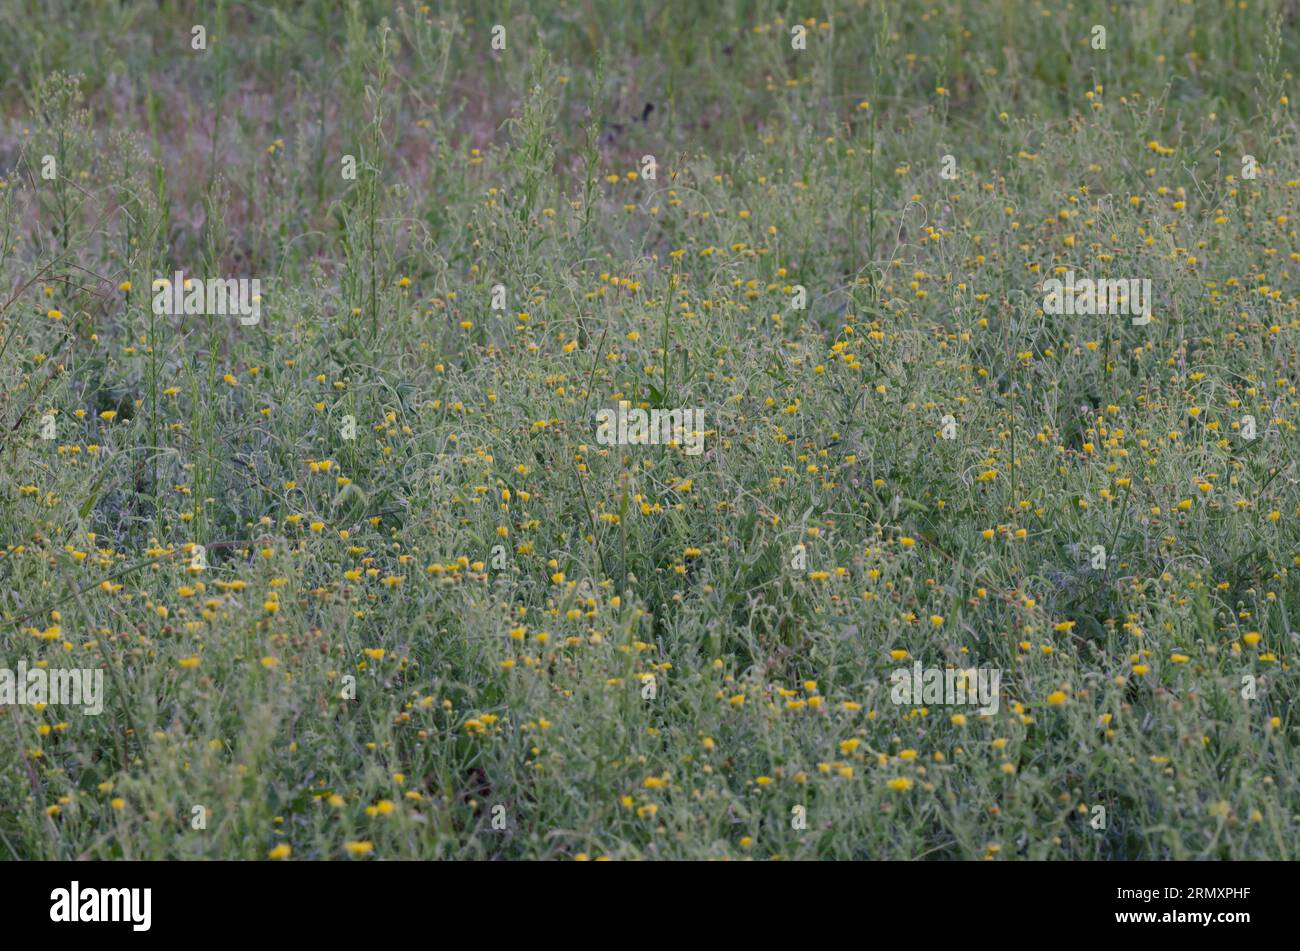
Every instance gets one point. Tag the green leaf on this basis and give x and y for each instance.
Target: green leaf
(89, 502)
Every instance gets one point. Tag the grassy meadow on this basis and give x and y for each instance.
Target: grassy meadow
(362, 581)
